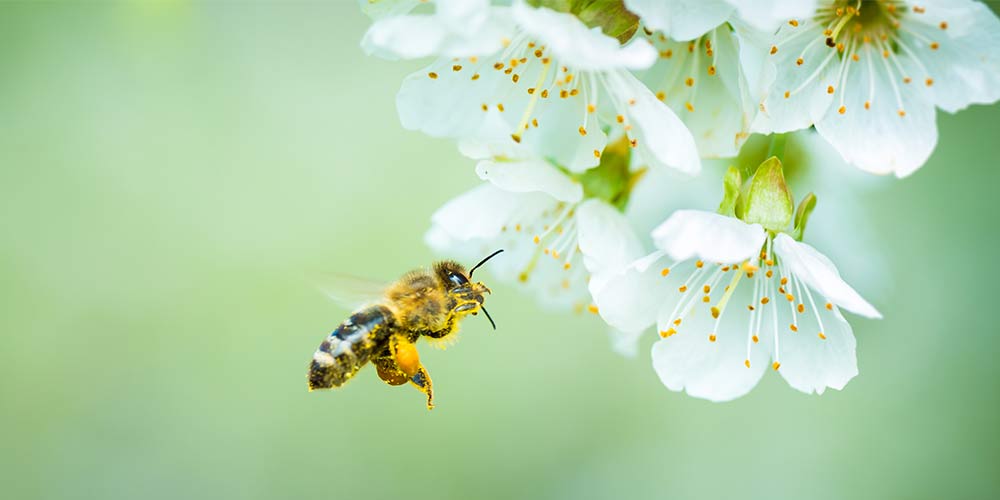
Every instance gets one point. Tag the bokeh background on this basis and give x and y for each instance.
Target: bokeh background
(172, 174)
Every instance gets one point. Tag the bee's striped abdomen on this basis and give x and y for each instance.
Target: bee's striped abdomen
(349, 347)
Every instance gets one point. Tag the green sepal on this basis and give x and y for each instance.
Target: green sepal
(802, 214)
(610, 16)
(766, 199)
(730, 192)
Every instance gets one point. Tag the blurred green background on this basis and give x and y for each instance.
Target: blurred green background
(171, 176)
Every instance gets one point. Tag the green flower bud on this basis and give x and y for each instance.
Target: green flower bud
(766, 199)
(610, 16)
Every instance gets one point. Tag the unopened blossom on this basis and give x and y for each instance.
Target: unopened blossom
(870, 74)
(557, 234)
(731, 299)
(556, 87)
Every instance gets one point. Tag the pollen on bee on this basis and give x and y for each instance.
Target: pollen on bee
(711, 337)
(776, 365)
(821, 336)
(582, 130)
(793, 328)
(755, 339)
(592, 308)
(432, 75)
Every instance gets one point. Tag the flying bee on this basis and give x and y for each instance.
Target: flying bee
(423, 303)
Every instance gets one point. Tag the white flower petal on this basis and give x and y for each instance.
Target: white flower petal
(576, 45)
(708, 236)
(811, 364)
(630, 300)
(526, 176)
(966, 65)
(625, 343)
(457, 29)
(708, 93)
(806, 85)
(661, 138)
(768, 15)
(378, 9)
(817, 272)
(605, 237)
(878, 123)
(681, 19)
(715, 370)
(484, 210)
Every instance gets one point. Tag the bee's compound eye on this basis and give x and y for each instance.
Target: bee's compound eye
(457, 279)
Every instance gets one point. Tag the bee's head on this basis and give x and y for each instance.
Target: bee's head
(468, 295)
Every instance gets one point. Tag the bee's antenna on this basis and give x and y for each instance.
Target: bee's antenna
(487, 313)
(488, 257)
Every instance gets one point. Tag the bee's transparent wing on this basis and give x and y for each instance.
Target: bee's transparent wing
(351, 292)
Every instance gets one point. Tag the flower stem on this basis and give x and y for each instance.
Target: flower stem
(777, 146)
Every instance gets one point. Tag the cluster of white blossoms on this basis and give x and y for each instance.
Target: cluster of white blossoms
(574, 108)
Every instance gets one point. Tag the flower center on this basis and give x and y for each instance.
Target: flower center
(713, 287)
(883, 39)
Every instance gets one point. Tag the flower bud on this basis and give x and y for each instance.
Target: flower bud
(766, 199)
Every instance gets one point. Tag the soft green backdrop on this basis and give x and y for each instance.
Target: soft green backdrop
(171, 175)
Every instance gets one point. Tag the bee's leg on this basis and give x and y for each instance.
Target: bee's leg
(407, 363)
(388, 371)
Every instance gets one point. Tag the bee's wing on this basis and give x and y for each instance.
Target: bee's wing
(351, 292)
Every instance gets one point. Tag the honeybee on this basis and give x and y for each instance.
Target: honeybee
(428, 303)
